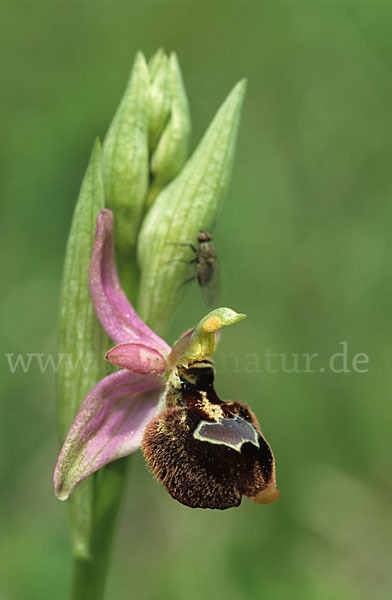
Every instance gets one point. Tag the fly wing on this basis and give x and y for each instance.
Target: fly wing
(209, 281)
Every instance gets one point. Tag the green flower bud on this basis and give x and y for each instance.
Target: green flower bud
(191, 202)
(126, 158)
(155, 62)
(159, 96)
(171, 150)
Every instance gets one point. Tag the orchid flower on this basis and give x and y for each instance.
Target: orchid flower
(206, 452)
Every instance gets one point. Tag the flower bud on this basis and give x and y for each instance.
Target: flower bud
(189, 203)
(171, 149)
(125, 156)
(159, 97)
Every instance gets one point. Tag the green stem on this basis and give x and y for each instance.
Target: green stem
(90, 573)
(88, 579)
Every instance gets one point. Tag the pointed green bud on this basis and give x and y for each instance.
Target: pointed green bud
(125, 157)
(81, 340)
(191, 202)
(159, 97)
(199, 343)
(155, 62)
(172, 147)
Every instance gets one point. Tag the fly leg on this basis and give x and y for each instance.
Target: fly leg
(188, 262)
(186, 281)
(183, 244)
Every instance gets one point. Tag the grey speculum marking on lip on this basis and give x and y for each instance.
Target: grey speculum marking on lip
(232, 432)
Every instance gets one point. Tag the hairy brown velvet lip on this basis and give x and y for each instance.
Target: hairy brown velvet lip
(201, 472)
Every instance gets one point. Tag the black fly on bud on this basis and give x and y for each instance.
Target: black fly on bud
(207, 267)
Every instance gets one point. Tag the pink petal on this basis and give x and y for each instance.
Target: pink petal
(113, 309)
(137, 358)
(109, 424)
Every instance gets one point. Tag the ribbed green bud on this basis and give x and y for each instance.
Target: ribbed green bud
(155, 62)
(159, 96)
(191, 202)
(172, 147)
(126, 157)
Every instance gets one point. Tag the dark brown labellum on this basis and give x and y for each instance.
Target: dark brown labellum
(209, 453)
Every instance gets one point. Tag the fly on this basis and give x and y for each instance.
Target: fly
(207, 268)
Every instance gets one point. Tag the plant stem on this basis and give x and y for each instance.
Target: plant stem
(90, 573)
(88, 579)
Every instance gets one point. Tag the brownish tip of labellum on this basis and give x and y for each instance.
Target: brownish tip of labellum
(267, 496)
(209, 453)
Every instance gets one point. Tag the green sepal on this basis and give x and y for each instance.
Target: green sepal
(191, 202)
(81, 338)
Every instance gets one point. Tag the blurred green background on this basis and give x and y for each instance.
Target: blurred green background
(304, 244)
